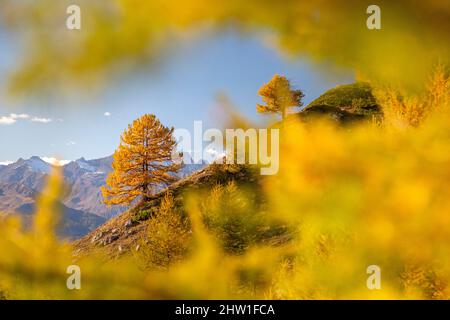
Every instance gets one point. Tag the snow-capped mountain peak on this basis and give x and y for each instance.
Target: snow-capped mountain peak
(84, 164)
(35, 164)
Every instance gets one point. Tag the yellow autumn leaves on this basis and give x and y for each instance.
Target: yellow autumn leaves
(366, 195)
(119, 33)
(369, 195)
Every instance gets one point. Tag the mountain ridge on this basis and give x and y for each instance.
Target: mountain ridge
(22, 181)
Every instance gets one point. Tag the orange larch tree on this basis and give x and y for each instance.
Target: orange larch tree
(279, 96)
(142, 162)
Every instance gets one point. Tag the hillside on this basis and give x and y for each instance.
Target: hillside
(21, 180)
(84, 178)
(344, 104)
(73, 224)
(126, 231)
(21, 201)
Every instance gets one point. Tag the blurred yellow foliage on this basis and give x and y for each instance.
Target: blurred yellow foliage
(167, 239)
(120, 34)
(368, 195)
(351, 198)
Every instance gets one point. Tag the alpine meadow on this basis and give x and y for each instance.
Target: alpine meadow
(357, 119)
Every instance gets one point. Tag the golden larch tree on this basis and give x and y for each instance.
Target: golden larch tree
(142, 162)
(279, 96)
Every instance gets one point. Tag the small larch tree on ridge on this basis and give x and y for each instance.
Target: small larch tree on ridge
(279, 97)
(142, 162)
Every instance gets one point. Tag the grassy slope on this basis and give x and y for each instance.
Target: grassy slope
(344, 104)
(124, 232)
(356, 98)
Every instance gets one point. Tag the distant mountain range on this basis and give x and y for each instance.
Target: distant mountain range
(82, 206)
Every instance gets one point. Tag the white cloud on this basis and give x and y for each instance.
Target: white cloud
(55, 162)
(12, 118)
(19, 116)
(41, 120)
(71, 143)
(107, 114)
(7, 121)
(5, 163)
(215, 153)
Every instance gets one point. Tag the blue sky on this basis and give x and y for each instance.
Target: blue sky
(182, 90)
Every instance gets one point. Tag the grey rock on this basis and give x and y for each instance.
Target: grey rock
(129, 223)
(98, 236)
(110, 239)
